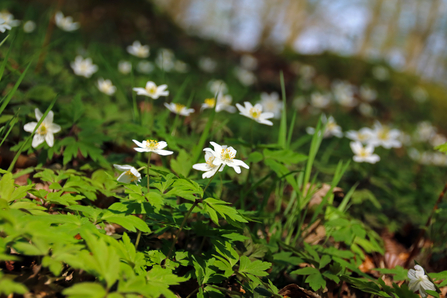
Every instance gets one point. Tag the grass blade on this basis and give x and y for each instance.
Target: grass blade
(283, 126)
(6, 99)
(5, 60)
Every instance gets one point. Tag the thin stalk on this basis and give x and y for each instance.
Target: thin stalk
(194, 205)
(147, 198)
(418, 243)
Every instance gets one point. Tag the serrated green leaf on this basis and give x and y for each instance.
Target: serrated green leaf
(256, 268)
(85, 290)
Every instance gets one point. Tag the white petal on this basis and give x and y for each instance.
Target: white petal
(38, 114)
(138, 143)
(141, 149)
(240, 163)
(201, 167)
(49, 138)
(29, 127)
(54, 128)
(266, 122)
(163, 152)
(356, 147)
(37, 140)
(162, 144)
(122, 167)
(124, 178)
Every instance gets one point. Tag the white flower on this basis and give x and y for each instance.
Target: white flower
(145, 67)
(7, 21)
(224, 155)
(381, 73)
(249, 62)
(364, 154)
(246, 77)
(65, 23)
(299, 103)
(438, 139)
(332, 129)
(223, 103)
(362, 136)
(124, 67)
(106, 86)
(130, 174)
(255, 113)
(165, 60)
(178, 109)
(367, 93)
(83, 67)
(207, 64)
(29, 26)
(385, 137)
(271, 103)
(152, 146)
(181, 66)
(208, 167)
(138, 50)
(45, 131)
(425, 131)
(318, 100)
(217, 86)
(366, 109)
(419, 281)
(344, 94)
(151, 90)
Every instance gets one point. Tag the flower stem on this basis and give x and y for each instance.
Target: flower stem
(147, 198)
(196, 202)
(419, 241)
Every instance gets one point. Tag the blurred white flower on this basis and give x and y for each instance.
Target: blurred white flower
(223, 103)
(255, 113)
(165, 60)
(438, 139)
(420, 94)
(151, 90)
(271, 103)
(145, 67)
(45, 131)
(207, 64)
(8, 19)
(152, 146)
(225, 155)
(178, 109)
(385, 137)
(320, 101)
(419, 281)
(29, 26)
(249, 62)
(217, 86)
(299, 103)
(4, 26)
(363, 135)
(366, 109)
(332, 128)
(106, 86)
(246, 77)
(307, 71)
(367, 93)
(424, 131)
(180, 66)
(208, 167)
(125, 67)
(381, 73)
(129, 175)
(65, 23)
(364, 154)
(138, 50)
(344, 93)
(83, 67)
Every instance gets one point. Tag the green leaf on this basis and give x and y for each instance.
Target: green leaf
(305, 271)
(41, 93)
(325, 259)
(85, 290)
(182, 164)
(256, 268)
(285, 156)
(316, 281)
(254, 157)
(224, 210)
(128, 222)
(8, 287)
(442, 148)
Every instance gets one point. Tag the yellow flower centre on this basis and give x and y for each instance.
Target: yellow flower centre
(331, 126)
(179, 107)
(152, 144)
(152, 89)
(363, 153)
(209, 162)
(42, 130)
(132, 177)
(384, 134)
(226, 154)
(210, 102)
(362, 136)
(255, 113)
